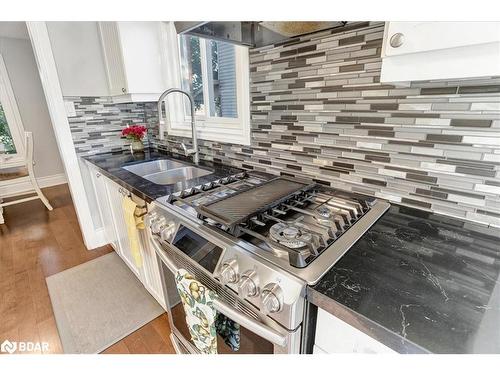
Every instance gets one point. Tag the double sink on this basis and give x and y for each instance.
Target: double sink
(166, 171)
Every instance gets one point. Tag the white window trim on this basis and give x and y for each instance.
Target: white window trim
(13, 117)
(209, 128)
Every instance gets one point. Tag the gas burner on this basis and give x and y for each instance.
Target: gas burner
(290, 235)
(324, 212)
(325, 215)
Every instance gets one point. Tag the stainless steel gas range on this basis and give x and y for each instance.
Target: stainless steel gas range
(257, 240)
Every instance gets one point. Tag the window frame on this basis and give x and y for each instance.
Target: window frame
(218, 129)
(13, 117)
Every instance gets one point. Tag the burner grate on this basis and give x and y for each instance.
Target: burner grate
(237, 208)
(305, 224)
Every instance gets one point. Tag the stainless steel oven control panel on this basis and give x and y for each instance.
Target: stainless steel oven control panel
(271, 291)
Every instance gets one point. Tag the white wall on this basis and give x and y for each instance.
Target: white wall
(78, 54)
(23, 74)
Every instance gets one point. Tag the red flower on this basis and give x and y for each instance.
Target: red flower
(135, 132)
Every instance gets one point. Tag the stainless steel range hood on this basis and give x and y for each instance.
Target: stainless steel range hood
(253, 33)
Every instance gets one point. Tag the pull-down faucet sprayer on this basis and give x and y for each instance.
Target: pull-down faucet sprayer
(187, 151)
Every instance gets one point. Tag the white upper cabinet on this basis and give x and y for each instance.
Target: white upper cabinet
(133, 60)
(440, 50)
(430, 36)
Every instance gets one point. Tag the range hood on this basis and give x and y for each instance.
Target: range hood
(254, 33)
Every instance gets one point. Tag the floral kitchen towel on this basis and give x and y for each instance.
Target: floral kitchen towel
(200, 312)
(229, 330)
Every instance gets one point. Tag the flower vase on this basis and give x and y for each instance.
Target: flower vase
(137, 146)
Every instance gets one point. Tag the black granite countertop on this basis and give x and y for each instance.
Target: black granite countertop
(419, 282)
(111, 165)
(416, 282)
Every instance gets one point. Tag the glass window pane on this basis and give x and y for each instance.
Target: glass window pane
(221, 79)
(192, 77)
(5, 136)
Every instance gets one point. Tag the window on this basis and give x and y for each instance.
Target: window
(220, 75)
(6, 140)
(216, 74)
(11, 127)
(192, 78)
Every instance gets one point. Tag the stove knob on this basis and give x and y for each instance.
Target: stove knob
(168, 231)
(229, 272)
(249, 282)
(150, 218)
(272, 298)
(158, 224)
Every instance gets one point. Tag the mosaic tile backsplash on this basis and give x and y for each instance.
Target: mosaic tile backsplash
(318, 110)
(97, 123)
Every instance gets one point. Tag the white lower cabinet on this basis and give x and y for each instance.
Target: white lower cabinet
(109, 197)
(336, 336)
(151, 273)
(318, 350)
(103, 204)
(115, 196)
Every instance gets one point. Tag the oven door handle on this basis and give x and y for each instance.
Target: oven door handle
(253, 325)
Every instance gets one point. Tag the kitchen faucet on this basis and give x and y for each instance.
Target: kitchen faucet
(187, 151)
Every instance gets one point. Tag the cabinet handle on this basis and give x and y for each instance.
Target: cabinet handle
(124, 90)
(98, 174)
(397, 40)
(123, 192)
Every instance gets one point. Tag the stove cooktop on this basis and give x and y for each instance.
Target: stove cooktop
(290, 220)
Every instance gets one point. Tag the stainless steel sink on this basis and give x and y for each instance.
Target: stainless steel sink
(176, 175)
(150, 167)
(166, 172)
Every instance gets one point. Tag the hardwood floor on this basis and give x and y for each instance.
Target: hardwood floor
(36, 243)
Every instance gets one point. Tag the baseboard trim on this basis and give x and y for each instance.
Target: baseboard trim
(11, 188)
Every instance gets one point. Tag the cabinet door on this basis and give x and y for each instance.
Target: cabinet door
(336, 336)
(110, 196)
(440, 50)
(141, 48)
(417, 37)
(151, 271)
(318, 350)
(113, 58)
(115, 193)
(132, 57)
(98, 181)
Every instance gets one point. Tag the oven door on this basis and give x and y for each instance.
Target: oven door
(258, 334)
